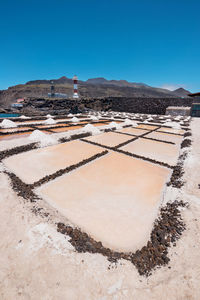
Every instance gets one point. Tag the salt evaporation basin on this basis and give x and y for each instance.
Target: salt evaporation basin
(109, 139)
(35, 164)
(114, 199)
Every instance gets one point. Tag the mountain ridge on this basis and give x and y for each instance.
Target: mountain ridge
(92, 88)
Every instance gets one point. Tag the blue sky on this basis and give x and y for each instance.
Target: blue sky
(154, 41)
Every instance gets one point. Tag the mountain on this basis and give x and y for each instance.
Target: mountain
(101, 80)
(181, 92)
(91, 88)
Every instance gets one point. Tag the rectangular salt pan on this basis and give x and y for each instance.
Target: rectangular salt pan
(159, 151)
(114, 199)
(33, 165)
(109, 139)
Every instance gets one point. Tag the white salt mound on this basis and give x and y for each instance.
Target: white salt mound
(134, 124)
(94, 118)
(24, 117)
(130, 122)
(74, 119)
(49, 116)
(178, 118)
(8, 124)
(114, 124)
(50, 121)
(174, 125)
(42, 138)
(70, 115)
(36, 135)
(91, 128)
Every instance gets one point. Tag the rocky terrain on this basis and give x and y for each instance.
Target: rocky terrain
(95, 87)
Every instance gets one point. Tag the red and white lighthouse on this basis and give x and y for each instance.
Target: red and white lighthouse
(75, 80)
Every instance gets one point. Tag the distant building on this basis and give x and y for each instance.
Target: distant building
(57, 95)
(17, 105)
(20, 100)
(196, 96)
(195, 104)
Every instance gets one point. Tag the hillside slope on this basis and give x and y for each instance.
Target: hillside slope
(95, 87)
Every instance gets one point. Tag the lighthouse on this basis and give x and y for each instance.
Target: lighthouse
(75, 80)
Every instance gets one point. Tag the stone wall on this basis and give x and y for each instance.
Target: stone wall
(135, 105)
(148, 105)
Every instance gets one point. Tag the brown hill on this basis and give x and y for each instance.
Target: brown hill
(95, 87)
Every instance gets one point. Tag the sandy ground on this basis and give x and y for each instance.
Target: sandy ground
(39, 263)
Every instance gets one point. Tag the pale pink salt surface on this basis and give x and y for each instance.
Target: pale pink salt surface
(15, 129)
(29, 122)
(13, 136)
(171, 130)
(162, 152)
(146, 126)
(109, 139)
(35, 164)
(51, 125)
(165, 137)
(114, 199)
(133, 131)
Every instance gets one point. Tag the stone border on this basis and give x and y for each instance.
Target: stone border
(147, 138)
(22, 189)
(188, 133)
(66, 170)
(17, 150)
(167, 229)
(186, 143)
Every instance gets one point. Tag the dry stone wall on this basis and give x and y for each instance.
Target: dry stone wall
(121, 104)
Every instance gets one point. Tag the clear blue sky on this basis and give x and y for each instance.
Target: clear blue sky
(152, 41)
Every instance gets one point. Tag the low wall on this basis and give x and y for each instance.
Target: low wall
(148, 105)
(121, 104)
